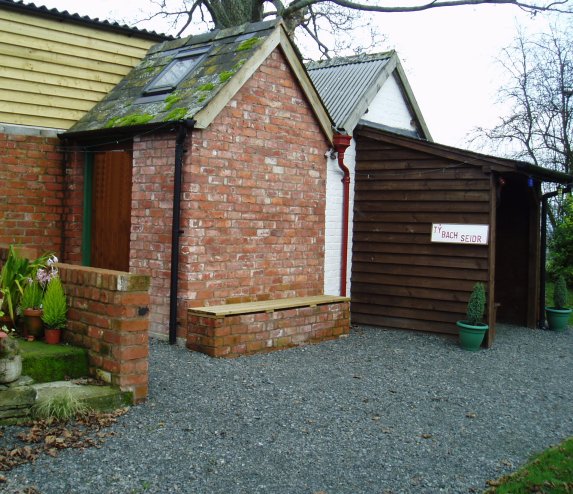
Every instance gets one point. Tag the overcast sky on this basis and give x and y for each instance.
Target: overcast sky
(448, 55)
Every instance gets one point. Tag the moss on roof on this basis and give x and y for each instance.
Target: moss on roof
(126, 105)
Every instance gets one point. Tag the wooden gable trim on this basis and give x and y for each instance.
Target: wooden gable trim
(366, 100)
(205, 117)
(411, 100)
(307, 86)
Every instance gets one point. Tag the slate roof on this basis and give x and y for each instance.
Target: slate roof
(233, 55)
(65, 16)
(347, 85)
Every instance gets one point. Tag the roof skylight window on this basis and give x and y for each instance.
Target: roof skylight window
(176, 71)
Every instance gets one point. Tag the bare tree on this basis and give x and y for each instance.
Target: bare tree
(539, 125)
(315, 17)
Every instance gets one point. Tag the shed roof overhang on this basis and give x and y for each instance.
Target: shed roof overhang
(485, 161)
(113, 135)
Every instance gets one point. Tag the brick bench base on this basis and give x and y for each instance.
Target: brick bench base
(239, 329)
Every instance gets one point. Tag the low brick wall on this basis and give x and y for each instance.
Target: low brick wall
(233, 336)
(109, 316)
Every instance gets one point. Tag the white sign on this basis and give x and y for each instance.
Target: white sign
(460, 234)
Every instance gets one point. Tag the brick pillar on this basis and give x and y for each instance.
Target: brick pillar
(109, 315)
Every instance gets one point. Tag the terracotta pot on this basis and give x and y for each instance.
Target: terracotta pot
(33, 325)
(52, 336)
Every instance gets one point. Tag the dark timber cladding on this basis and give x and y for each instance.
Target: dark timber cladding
(400, 279)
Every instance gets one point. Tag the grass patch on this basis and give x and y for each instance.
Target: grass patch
(550, 472)
(46, 363)
(549, 287)
(62, 406)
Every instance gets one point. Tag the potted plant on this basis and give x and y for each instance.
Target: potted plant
(32, 309)
(558, 315)
(54, 311)
(10, 359)
(472, 329)
(14, 275)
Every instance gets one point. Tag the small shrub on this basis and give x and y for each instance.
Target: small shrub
(476, 305)
(32, 296)
(54, 305)
(560, 293)
(61, 406)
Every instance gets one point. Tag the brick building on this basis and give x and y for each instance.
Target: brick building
(227, 131)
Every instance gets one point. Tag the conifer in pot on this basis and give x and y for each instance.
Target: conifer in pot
(54, 310)
(558, 315)
(472, 329)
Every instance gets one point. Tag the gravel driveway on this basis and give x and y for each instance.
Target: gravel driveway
(379, 411)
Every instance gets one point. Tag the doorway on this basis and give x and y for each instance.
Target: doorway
(111, 181)
(516, 250)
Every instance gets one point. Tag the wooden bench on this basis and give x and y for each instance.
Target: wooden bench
(237, 329)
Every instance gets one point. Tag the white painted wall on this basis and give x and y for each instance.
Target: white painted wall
(389, 108)
(333, 222)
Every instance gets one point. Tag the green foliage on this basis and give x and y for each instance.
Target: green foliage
(32, 296)
(549, 472)
(54, 306)
(561, 245)
(560, 293)
(13, 277)
(61, 406)
(549, 288)
(476, 305)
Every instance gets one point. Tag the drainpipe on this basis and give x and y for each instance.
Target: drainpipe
(176, 226)
(543, 260)
(341, 142)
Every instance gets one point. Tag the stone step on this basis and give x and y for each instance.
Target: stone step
(95, 396)
(46, 363)
(18, 398)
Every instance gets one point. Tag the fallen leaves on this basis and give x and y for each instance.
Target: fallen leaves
(49, 437)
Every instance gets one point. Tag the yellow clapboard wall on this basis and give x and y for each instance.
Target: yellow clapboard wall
(53, 72)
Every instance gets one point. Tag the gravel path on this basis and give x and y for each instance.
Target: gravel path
(376, 412)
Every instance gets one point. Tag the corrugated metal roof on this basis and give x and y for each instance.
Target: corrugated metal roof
(343, 82)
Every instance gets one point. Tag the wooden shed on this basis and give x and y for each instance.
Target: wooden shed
(405, 277)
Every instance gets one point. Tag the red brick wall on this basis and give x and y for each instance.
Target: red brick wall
(233, 336)
(252, 204)
(31, 191)
(108, 314)
(151, 220)
(255, 196)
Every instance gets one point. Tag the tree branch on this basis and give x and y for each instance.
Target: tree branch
(555, 6)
